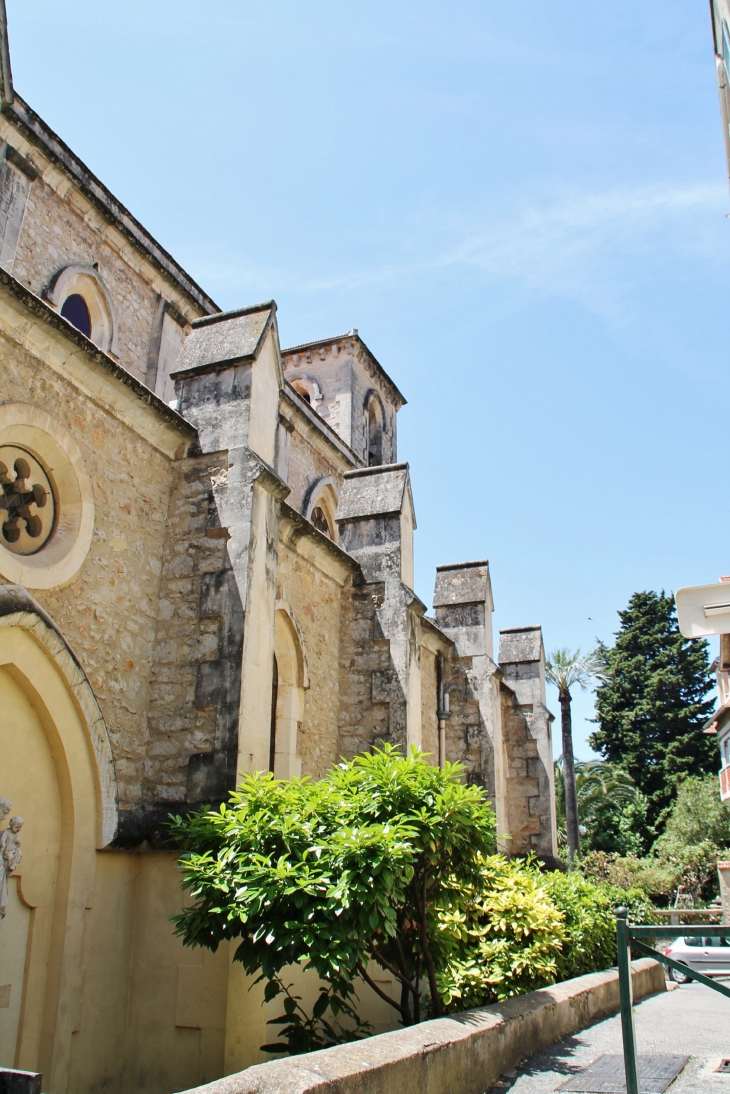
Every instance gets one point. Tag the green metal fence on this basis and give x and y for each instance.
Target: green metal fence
(628, 938)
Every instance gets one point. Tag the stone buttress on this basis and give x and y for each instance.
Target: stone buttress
(381, 653)
(530, 788)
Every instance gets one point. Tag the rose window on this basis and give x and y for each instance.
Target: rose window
(27, 509)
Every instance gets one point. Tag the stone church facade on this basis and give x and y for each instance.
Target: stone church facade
(206, 568)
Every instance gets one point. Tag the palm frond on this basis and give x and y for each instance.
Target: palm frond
(565, 669)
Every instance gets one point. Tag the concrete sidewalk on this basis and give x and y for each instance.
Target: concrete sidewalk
(691, 1021)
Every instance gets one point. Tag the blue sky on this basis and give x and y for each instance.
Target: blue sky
(522, 207)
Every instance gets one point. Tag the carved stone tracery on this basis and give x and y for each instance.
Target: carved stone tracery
(27, 507)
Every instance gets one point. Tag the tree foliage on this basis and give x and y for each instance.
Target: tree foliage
(611, 808)
(522, 927)
(332, 874)
(683, 861)
(565, 669)
(652, 704)
(503, 935)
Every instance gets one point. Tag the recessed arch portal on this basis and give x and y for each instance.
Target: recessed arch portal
(58, 773)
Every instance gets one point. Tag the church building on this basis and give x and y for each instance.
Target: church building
(206, 568)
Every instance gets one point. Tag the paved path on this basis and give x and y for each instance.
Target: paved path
(691, 1021)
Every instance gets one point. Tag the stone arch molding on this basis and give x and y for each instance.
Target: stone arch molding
(302, 673)
(87, 282)
(323, 493)
(20, 612)
(308, 384)
(375, 427)
(59, 560)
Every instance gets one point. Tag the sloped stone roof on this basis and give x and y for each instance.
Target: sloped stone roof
(226, 338)
(519, 644)
(464, 583)
(373, 491)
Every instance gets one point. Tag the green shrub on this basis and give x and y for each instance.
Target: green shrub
(504, 936)
(698, 815)
(333, 874)
(524, 928)
(588, 910)
(683, 861)
(655, 879)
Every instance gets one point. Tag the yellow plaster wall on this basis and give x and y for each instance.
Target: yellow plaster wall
(48, 772)
(28, 779)
(153, 1015)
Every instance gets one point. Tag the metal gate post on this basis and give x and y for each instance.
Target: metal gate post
(627, 1001)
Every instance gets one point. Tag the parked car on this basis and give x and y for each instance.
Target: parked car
(709, 954)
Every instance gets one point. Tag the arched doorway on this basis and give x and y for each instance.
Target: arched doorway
(52, 740)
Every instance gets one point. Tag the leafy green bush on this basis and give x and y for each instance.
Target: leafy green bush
(335, 873)
(589, 919)
(654, 879)
(503, 935)
(523, 928)
(388, 859)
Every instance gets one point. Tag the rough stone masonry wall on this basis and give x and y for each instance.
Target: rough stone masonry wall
(306, 466)
(108, 614)
(196, 672)
(314, 600)
(523, 788)
(365, 664)
(60, 231)
(464, 731)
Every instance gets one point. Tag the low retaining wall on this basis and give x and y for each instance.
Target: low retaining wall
(462, 1054)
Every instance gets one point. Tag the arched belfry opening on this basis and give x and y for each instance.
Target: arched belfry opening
(375, 431)
(287, 697)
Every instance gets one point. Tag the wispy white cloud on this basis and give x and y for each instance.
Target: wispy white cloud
(591, 248)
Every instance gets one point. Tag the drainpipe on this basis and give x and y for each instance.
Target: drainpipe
(443, 712)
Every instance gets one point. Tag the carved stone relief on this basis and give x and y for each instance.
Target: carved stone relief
(10, 853)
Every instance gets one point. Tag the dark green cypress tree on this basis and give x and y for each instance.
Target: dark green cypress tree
(652, 705)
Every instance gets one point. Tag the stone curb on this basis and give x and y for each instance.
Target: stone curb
(462, 1054)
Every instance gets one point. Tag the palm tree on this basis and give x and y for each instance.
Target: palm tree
(565, 669)
(595, 780)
